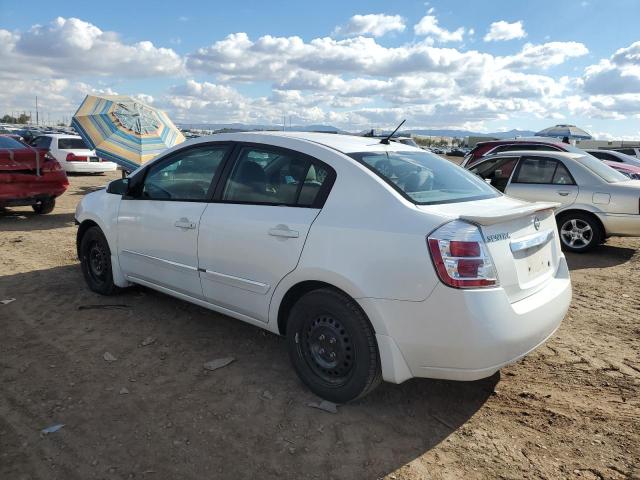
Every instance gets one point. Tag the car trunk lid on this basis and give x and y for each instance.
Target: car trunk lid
(521, 238)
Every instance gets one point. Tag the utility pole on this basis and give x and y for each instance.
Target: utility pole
(37, 116)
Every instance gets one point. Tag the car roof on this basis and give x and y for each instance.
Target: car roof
(59, 135)
(536, 153)
(339, 142)
(507, 141)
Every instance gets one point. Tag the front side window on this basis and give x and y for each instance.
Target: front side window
(72, 144)
(605, 156)
(274, 177)
(425, 178)
(187, 176)
(496, 171)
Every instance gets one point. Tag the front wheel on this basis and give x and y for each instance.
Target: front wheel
(579, 232)
(45, 206)
(332, 346)
(95, 260)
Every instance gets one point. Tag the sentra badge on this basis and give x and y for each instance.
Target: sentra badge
(496, 237)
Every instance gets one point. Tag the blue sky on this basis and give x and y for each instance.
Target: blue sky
(351, 64)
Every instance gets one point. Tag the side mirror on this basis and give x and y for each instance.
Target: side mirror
(118, 187)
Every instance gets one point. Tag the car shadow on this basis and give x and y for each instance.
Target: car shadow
(602, 256)
(151, 406)
(84, 190)
(27, 220)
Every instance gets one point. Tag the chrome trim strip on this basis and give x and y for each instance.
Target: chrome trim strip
(238, 282)
(162, 260)
(534, 240)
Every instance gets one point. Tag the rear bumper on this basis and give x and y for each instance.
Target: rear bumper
(466, 334)
(22, 189)
(620, 224)
(90, 167)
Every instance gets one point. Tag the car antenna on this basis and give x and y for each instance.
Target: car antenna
(386, 139)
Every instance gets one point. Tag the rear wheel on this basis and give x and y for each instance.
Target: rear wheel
(332, 346)
(579, 232)
(44, 206)
(95, 260)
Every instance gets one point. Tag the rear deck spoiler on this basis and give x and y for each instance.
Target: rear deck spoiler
(489, 218)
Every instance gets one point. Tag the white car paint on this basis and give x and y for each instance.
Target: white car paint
(92, 165)
(369, 241)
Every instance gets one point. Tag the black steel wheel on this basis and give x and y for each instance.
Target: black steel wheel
(95, 260)
(332, 346)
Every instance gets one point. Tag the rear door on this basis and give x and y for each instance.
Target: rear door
(158, 223)
(253, 233)
(542, 179)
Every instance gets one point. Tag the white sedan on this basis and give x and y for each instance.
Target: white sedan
(596, 201)
(73, 154)
(376, 260)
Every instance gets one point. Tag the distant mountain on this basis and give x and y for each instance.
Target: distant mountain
(332, 129)
(467, 133)
(249, 127)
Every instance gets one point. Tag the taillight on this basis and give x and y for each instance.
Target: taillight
(74, 158)
(460, 256)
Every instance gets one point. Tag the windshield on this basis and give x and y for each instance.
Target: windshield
(8, 142)
(603, 170)
(72, 144)
(426, 178)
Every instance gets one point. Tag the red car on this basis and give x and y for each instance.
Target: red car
(29, 176)
(483, 149)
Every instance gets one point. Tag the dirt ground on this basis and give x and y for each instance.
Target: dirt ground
(569, 410)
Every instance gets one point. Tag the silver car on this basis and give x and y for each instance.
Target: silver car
(595, 200)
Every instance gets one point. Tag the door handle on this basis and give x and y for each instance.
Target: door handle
(283, 231)
(563, 194)
(185, 224)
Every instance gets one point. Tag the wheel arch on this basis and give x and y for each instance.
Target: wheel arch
(583, 211)
(82, 229)
(297, 291)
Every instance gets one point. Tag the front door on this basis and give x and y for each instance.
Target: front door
(542, 179)
(158, 223)
(253, 234)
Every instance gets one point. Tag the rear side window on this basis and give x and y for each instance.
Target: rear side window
(425, 178)
(627, 151)
(11, 143)
(275, 177)
(605, 156)
(543, 171)
(72, 144)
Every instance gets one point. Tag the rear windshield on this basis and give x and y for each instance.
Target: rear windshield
(8, 142)
(603, 170)
(72, 144)
(425, 178)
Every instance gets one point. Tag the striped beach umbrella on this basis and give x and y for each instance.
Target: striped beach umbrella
(561, 131)
(124, 130)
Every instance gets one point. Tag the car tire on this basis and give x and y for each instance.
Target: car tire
(333, 346)
(95, 261)
(44, 206)
(579, 232)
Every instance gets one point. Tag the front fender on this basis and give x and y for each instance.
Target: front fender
(101, 208)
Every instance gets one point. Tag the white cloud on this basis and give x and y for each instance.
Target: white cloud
(428, 26)
(619, 74)
(72, 46)
(375, 24)
(499, 31)
(545, 55)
